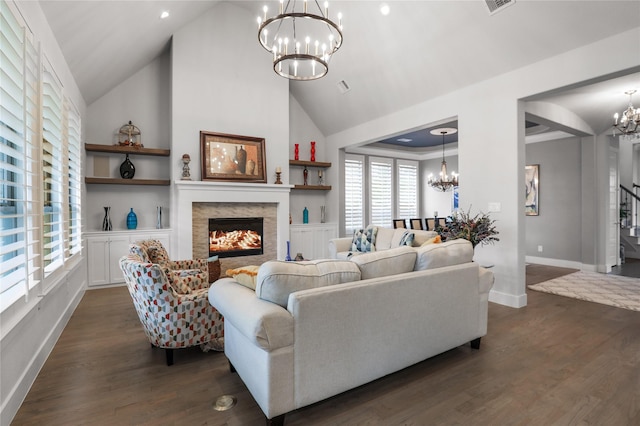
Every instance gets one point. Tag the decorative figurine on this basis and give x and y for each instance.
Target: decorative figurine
(320, 180)
(305, 173)
(278, 173)
(185, 167)
(297, 152)
(313, 151)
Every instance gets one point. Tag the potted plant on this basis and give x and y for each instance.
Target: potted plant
(479, 229)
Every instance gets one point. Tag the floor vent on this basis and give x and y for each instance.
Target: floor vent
(496, 6)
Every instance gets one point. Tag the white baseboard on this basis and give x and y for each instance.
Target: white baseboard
(560, 263)
(510, 300)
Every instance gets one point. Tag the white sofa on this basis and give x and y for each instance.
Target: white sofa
(311, 330)
(386, 238)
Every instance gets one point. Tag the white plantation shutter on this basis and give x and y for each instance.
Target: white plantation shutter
(407, 193)
(52, 166)
(381, 191)
(353, 193)
(73, 214)
(18, 94)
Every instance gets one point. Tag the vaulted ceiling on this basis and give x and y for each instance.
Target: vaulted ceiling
(421, 50)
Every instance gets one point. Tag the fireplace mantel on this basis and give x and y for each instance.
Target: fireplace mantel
(185, 193)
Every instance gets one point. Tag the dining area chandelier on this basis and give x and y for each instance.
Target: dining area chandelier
(444, 182)
(629, 122)
(301, 38)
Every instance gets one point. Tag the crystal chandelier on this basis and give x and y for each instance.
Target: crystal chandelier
(300, 41)
(443, 183)
(630, 118)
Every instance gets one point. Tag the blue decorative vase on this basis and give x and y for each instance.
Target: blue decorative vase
(288, 258)
(132, 220)
(305, 215)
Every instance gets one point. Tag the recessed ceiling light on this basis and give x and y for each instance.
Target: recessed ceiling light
(405, 140)
(164, 15)
(384, 9)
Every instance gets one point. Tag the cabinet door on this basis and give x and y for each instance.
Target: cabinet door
(98, 259)
(302, 241)
(323, 235)
(118, 247)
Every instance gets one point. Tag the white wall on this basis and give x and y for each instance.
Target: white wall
(225, 84)
(491, 144)
(557, 228)
(302, 131)
(145, 100)
(30, 327)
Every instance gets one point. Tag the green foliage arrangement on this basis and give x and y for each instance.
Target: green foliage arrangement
(479, 229)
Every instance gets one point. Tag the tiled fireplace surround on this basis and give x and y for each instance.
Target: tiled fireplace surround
(194, 202)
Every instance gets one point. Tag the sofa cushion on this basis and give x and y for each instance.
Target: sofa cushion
(384, 237)
(452, 252)
(420, 236)
(364, 240)
(407, 238)
(277, 279)
(387, 262)
(246, 275)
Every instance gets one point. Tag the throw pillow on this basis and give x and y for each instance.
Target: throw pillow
(245, 275)
(364, 240)
(407, 239)
(434, 240)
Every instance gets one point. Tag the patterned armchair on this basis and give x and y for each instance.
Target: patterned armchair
(171, 319)
(184, 275)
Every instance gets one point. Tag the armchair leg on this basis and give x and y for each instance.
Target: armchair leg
(276, 421)
(169, 353)
(475, 343)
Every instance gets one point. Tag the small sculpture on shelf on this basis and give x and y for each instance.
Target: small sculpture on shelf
(129, 135)
(313, 151)
(320, 179)
(305, 215)
(278, 173)
(106, 222)
(186, 175)
(132, 220)
(305, 173)
(299, 257)
(296, 152)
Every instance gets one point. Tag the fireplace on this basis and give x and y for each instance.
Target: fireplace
(232, 237)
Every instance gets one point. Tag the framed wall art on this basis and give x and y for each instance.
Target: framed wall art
(532, 190)
(232, 158)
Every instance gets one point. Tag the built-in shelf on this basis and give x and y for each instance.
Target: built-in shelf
(119, 181)
(309, 163)
(118, 149)
(313, 187)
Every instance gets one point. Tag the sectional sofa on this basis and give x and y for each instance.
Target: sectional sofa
(311, 330)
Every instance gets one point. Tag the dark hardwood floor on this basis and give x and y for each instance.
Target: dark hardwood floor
(558, 361)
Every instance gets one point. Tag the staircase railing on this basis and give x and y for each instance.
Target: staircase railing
(629, 208)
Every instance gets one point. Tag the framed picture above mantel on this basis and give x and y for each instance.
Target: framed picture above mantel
(232, 158)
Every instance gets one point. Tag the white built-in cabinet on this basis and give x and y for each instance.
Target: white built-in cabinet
(312, 239)
(104, 250)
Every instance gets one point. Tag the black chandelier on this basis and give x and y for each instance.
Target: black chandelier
(301, 42)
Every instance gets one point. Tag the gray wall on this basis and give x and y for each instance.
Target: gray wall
(558, 227)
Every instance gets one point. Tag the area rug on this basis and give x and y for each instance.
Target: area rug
(612, 290)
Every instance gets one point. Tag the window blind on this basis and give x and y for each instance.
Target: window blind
(12, 160)
(52, 164)
(353, 193)
(73, 223)
(407, 195)
(381, 190)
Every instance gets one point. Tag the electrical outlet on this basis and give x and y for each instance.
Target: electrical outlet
(539, 249)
